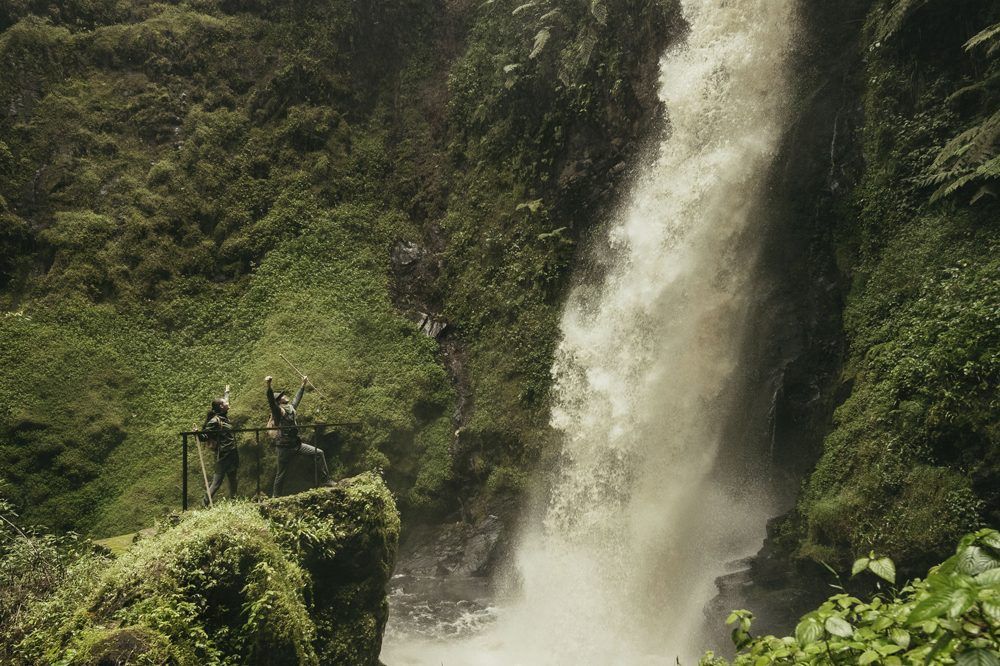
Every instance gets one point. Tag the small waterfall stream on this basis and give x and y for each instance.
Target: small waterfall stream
(639, 523)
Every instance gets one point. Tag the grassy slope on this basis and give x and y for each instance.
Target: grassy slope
(190, 189)
(912, 462)
(205, 204)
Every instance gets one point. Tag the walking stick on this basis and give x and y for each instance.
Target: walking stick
(204, 474)
(302, 374)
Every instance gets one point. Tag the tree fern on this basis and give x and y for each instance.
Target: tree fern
(969, 157)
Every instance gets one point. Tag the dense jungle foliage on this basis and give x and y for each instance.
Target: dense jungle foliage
(190, 189)
(913, 458)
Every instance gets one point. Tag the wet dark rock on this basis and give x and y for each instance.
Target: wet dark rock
(453, 549)
(776, 588)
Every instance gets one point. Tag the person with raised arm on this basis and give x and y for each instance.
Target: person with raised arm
(287, 441)
(218, 432)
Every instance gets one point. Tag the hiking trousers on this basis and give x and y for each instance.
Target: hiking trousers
(225, 468)
(285, 456)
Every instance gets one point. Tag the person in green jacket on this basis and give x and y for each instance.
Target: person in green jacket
(220, 437)
(287, 441)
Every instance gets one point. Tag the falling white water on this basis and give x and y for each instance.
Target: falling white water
(638, 526)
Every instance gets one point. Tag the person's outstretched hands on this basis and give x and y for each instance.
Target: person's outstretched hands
(304, 380)
(267, 380)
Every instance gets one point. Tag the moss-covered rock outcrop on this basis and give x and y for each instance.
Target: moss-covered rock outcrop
(296, 580)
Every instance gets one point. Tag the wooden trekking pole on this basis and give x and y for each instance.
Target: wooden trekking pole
(204, 474)
(302, 375)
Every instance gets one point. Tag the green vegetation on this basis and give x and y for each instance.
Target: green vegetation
(951, 617)
(911, 463)
(189, 189)
(294, 580)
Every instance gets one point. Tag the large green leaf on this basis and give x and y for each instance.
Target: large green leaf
(989, 578)
(975, 560)
(977, 657)
(934, 606)
(860, 565)
(900, 637)
(868, 657)
(961, 601)
(883, 568)
(990, 538)
(838, 626)
(808, 631)
(992, 611)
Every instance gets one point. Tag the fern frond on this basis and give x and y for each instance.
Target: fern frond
(984, 144)
(984, 191)
(984, 86)
(990, 169)
(952, 187)
(972, 147)
(989, 36)
(969, 157)
(541, 39)
(939, 177)
(952, 181)
(599, 11)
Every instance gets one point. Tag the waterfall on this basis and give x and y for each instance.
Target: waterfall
(639, 522)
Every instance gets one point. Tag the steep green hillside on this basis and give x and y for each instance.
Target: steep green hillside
(913, 459)
(190, 189)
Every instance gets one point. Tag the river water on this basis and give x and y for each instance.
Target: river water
(639, 520)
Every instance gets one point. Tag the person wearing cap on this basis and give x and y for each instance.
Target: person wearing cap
(287, 442)
(219, 435)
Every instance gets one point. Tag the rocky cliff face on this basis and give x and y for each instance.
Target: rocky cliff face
(296, 580)
(884, 404)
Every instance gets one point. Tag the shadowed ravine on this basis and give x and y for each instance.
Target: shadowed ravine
(639, 521)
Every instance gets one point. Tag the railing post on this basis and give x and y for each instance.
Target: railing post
(184, 472)
(317, 438)
(257, 437)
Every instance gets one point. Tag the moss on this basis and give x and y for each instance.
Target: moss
(299, 580)
(911, 461)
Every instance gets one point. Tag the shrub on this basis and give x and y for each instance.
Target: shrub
(951, 616)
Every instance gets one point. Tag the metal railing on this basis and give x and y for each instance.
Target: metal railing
(318, 429)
